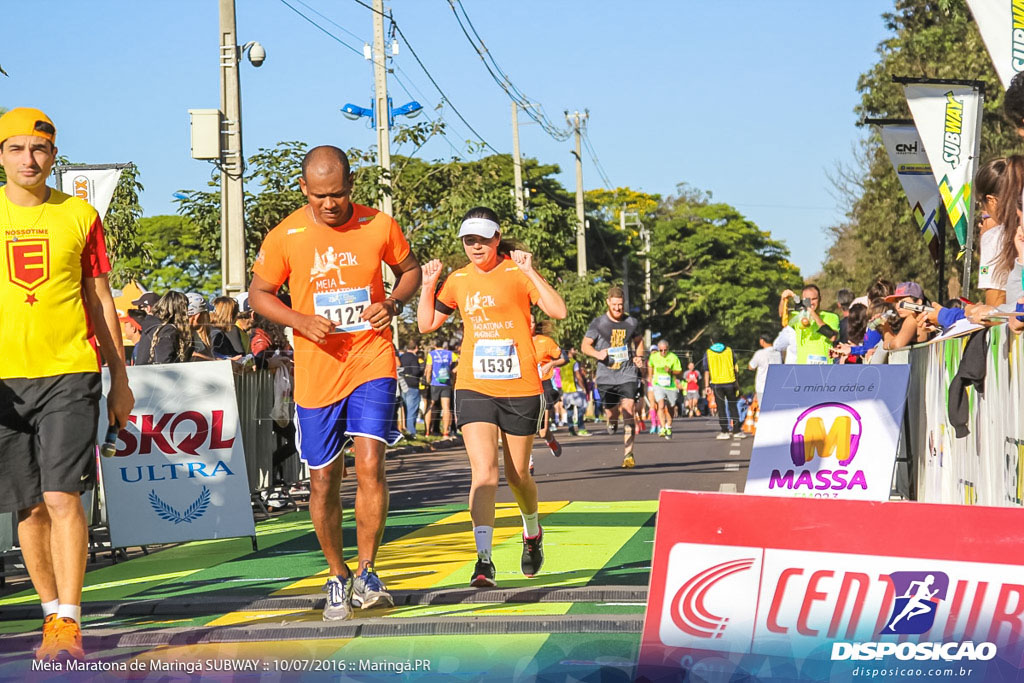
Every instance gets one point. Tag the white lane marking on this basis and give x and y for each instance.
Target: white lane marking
(732, 467)
(727, 488)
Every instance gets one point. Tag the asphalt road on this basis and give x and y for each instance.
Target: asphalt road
(589, 468)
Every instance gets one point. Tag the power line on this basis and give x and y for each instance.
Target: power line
(330, 21)
(426, 71)
(293, 8)
(533, 110)
(597, 162)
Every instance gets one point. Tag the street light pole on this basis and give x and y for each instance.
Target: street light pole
(380, 82)
(517, 168)
(232, 217)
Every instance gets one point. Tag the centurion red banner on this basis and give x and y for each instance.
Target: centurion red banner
(779, 589)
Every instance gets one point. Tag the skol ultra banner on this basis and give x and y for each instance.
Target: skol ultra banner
(948, 119)
(178, 473)
(906, 152)
(91, 184)
(828, 431)
(1001, 23)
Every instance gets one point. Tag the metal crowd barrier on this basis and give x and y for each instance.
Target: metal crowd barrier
(987, 466)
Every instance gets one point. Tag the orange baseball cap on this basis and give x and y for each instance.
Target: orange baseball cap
(27, 121)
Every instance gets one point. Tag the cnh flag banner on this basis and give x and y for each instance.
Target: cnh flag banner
(94, 184)
(948, 119)
(1001, 23)
(906, 152)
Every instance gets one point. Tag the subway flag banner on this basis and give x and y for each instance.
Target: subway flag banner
(828, 431)
(1001, 23)
(786, 589)
(179, 470)
(948, 119)
(906, 152)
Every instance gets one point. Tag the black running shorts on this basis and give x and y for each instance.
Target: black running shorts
(518, 416)
(613, 394)
(551, 395)
(439, 392)
(47, 437)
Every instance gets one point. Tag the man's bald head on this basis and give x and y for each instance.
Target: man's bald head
(324, 160)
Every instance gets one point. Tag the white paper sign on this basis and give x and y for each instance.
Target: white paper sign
(93, 185)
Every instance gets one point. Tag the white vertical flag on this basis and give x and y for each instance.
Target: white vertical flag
(906, 152)
(1001, 23)
(94, 184)
(948, 119)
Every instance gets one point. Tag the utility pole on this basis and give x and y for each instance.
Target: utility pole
(383, 112)
(577, 121)
(517, 168)
(645, 237)
(625, 260)
(232, 206)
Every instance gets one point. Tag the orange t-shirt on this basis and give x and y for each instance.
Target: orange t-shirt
(335, 272)
(496, 342)
(546, 350)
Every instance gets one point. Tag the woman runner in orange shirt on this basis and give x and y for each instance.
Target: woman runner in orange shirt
(498, 390)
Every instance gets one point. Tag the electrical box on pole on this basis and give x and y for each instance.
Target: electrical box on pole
(204, 125)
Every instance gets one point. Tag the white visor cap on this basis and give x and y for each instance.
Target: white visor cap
(479, 226)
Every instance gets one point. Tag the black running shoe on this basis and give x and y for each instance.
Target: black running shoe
(533, 554)
(483, 575)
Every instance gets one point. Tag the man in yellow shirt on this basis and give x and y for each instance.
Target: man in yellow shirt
(54, 302)
(720, 376)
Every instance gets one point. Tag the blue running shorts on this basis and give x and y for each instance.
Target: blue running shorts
(368, 411)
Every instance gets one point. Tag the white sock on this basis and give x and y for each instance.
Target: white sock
(531, 527)
(484, 536)
(70, 611)
(50, 607)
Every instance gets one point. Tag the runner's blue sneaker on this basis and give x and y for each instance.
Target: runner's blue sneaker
(339, 598)
(368, 591)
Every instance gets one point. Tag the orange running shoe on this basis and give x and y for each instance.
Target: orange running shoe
(63, 640)
(47, 634)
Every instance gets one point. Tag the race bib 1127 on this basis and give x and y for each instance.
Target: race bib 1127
(344, 308)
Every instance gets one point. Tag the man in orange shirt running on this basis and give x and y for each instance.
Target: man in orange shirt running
(330, 252)
(54, 297)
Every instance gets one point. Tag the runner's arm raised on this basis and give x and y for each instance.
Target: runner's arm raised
(263, 299)
(428, 318)
(107, 329)
(550, 301)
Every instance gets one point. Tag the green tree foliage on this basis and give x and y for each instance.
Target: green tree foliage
(129, 255)
(179, 257)
(932, 39)
(715, 275)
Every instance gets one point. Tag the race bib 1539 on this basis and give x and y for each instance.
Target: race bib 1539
(496, 359)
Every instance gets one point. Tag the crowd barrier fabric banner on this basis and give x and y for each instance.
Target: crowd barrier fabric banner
(986, 467)
(179, 471)
(1001, 23)
(906, 152)
(92, 184)
(776, 589)
(828, 431)
(948, 119)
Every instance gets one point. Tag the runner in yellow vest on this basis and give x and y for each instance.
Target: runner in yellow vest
(720, 375)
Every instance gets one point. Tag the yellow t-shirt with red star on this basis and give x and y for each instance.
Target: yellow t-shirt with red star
(47, 252)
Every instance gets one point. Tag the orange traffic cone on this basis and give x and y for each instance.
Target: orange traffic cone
(748, 423)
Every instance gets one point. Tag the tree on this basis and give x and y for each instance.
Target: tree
(716, 276)
(180, 257)
(934, 39)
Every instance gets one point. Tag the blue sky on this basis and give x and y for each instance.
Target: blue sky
(749, 99)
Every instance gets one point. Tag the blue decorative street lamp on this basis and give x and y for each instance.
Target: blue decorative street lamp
(355, 112)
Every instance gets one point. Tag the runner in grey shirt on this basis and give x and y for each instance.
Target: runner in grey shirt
(615, 341)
